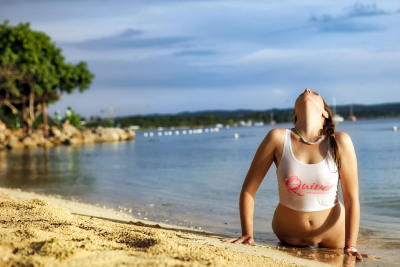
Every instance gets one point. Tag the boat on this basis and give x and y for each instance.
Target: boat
(271, 120)
(337, 118)
(351, 116)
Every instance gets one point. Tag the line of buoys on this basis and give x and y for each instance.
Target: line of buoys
(184, 132)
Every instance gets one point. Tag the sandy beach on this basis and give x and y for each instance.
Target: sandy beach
(38, 230)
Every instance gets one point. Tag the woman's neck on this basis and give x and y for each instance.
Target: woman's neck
(309, 125)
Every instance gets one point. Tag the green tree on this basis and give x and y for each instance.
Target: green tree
(33, 72)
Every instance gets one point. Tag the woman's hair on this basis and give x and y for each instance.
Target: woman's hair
(329, 130)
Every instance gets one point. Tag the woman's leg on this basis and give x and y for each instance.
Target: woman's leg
(335, 236)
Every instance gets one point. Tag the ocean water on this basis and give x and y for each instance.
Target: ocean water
(195, 179)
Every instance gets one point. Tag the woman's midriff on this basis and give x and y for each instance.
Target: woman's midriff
(298, 228)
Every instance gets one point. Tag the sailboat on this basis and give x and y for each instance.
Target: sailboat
(336, 117)
(352, 117)
(271, 120)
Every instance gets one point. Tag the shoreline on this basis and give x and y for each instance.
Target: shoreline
(42, 230)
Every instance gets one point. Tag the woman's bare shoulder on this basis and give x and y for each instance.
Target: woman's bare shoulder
(342, 138)
(276, 135)
(278, 132)
(344, 142)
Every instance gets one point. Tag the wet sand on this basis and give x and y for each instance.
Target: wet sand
(41, 230)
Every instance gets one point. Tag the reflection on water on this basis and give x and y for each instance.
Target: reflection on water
(58, 168)
(25, 166)
(335, 256)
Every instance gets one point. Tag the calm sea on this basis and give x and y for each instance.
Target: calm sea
(195, 179)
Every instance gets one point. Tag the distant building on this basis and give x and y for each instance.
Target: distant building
(134, 127)
(246, 123)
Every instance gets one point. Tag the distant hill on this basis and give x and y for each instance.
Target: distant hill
(231, 117)
(370, 111)
(359, 110)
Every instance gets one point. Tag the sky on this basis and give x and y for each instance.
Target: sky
(171, 56)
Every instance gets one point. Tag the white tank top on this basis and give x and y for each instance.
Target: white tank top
(306, 187)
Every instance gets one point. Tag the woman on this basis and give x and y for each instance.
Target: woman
(310, 159)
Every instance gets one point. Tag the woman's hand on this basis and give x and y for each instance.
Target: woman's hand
(352, 257)
(244, 239)
(359, 256)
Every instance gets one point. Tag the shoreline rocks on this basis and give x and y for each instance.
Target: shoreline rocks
(66, 135)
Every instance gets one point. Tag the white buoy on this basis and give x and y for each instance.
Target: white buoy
(176, 132)
(151, 134)
(216, 129)
(165, 133)
(159, 133)
(184, 132)
(236, 135)
(212, 130)
(394, 128)
(145, 134)
(206, 130)
(190, 131)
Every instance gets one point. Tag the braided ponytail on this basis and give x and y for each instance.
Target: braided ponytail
(329, 130)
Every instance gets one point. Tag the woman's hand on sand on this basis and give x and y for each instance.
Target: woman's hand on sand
(354, 256)
(244, 239)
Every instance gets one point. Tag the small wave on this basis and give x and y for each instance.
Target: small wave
(167, 205)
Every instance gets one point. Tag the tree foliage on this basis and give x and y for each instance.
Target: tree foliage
(33, 70)
(208, 118)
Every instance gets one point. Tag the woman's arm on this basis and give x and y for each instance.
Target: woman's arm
(260, 165)
(349, 180)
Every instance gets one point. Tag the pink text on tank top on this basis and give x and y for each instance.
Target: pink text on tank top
(294, 184)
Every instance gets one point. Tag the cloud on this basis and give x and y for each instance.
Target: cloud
(346, 21)
(189, 54)
(350, 27)
(279, 91)
(359, 10)
(195, 53)
(130, 38)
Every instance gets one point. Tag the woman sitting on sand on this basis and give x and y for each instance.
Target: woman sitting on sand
(310, 159)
